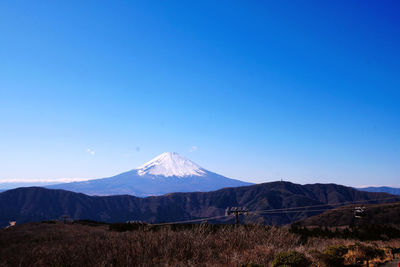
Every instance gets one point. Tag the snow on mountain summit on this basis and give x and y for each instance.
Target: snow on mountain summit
(167, 173)
(171, 164)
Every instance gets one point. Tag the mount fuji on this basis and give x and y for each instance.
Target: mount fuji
(167, 173)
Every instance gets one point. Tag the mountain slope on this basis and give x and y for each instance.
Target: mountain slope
(167, 173)
(35, 204)
(380, 214)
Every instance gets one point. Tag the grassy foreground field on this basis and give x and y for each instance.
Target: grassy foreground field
(77, 244)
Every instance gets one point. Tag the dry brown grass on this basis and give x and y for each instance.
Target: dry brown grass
(42, 244)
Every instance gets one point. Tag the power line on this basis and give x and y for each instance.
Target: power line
(284, 210)
(327, 205)
(222, 216)
(189, 221)
(296, 211)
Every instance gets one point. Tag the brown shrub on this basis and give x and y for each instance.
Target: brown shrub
(41, 244)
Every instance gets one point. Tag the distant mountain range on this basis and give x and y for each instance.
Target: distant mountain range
(36, 204)
(385, 189)
(167, 173)
(11, 185)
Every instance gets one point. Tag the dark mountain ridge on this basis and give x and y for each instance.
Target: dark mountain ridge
(36, 204)
(378, 214)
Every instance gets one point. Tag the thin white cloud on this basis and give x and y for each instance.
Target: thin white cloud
(61, 180)
(193, 149)
(90, 151)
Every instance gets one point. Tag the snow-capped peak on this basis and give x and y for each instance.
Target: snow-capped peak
(171, 164)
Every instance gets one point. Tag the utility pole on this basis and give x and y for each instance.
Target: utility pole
(65, 219)
(237, 211)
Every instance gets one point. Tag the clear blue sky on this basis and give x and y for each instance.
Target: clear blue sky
(307, 91)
